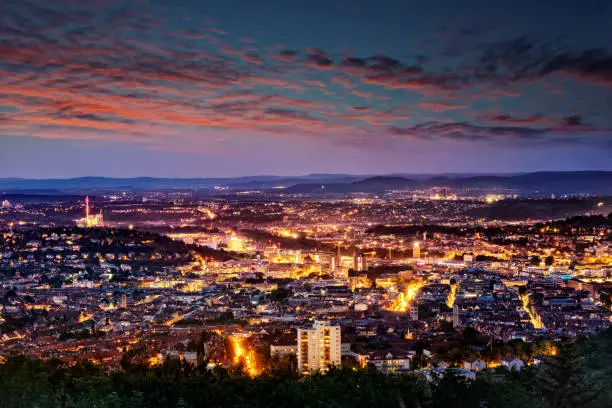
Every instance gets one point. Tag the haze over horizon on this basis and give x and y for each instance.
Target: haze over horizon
(322, 174)
(186, 88)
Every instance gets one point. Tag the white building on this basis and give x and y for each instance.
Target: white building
(318, 347)
(474, 364)
(456, 316)
(391, 361)
(512, 363)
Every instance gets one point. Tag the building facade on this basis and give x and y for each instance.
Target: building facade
(318, 347)
(360, 263)
(456, 316)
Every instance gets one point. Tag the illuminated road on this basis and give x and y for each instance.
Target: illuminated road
(536, 320)
(450, 300)
(244, 354)
(404, 300)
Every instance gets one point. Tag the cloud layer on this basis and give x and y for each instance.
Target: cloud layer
(111, 72)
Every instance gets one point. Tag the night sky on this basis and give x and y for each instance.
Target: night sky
(198, 88)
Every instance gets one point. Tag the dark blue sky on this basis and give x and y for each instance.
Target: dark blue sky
(221, 88)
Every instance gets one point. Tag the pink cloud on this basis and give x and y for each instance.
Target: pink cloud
(440, 106)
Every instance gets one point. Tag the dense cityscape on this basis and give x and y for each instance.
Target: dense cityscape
(409, 282)
(305, 204)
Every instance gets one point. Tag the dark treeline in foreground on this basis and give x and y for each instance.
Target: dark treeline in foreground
(579, 376)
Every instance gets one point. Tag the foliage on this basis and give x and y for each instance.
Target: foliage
(280, 294)
(578, 376)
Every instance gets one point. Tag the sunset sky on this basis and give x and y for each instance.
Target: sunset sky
(199, 88)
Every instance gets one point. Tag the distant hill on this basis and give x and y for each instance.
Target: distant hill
(108, 184)
(40, 197)
(391, 182)
(543, 183)
(583, 182)
(376, 184)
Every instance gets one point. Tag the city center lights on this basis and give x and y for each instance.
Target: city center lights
(305, 203)
(90, 220)
(243, 354)
(206, 211)
(536, 320)
(404, 300)
(287, 234)
(307, 280)
(450, 300)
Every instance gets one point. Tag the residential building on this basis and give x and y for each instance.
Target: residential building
(318, 347)
(512, 363)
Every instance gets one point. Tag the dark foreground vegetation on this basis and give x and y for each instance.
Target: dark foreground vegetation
(579, 376)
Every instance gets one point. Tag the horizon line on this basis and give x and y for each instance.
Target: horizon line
(312, 174)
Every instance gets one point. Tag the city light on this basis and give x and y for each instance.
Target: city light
(242, 353)
(287, 234)
(356, 259)
(536, 320)
(90, 220)
(404, 300)
(209, 214)
(305, 203)
(492, 198)
(450, 300)
(85, 317)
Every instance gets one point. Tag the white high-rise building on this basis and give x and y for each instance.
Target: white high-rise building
(456, 316)
(318, 347)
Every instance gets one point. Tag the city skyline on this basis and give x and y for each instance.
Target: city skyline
(192, 89)
(283, 203)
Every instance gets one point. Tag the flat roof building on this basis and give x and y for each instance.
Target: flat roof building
(318, 347)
